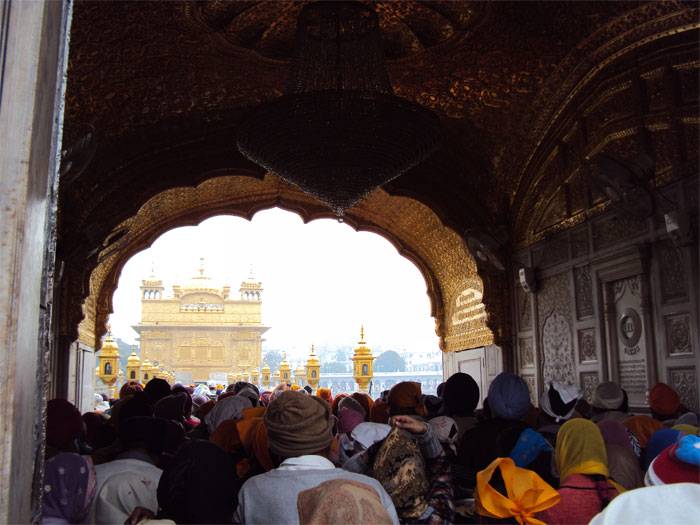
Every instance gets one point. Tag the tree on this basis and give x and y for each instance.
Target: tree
(272, 358)
(389, 361)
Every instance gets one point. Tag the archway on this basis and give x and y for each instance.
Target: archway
(455, 289)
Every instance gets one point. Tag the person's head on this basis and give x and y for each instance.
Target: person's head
(148, 434)
(348, 419)
(433, 405)
(341, 501)
(98, 433)
(379, 412)
(335, 403)
(326, 394)
(608, 397)
(509, 397)
(658, 441)
(68, 488)
(199, 485)
(156, 389)
(298, 425)
(558, 401)
(461, 395)
(137, 405)
(440, 389)
(405, 399)
(175, 407)
(505, 491)
(130, 388)
(251, 393)
(63, 425)
(642, 427)
(678, 463)
(351, 404)
(365, 401)
(580, 449)
(615, 434)
(229, 408)
(664, 402)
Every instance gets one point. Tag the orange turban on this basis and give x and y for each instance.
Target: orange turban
(527, 493)
(325, 394)
(406, 398)
(642, 427)
(664, 400)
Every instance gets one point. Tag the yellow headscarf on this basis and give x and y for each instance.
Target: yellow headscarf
(580, 449)
(686, 429)
(528, 493)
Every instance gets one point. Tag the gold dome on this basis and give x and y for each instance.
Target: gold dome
(109, 346)
(133, 360)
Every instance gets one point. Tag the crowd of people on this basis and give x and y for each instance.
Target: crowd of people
(162, 454)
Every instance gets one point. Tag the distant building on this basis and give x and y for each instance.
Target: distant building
(199, 331)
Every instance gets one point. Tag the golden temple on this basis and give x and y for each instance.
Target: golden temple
(199, 331)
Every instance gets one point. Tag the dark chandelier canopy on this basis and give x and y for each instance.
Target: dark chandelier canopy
(339, 132)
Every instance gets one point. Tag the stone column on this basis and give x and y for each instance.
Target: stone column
(32, 50)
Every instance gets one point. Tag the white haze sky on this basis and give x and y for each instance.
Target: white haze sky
(321, 281)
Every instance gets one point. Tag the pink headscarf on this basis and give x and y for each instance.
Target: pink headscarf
(348, 419)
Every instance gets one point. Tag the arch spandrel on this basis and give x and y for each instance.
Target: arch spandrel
(412, 228)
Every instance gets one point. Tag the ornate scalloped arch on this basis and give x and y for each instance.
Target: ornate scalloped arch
(453, 285)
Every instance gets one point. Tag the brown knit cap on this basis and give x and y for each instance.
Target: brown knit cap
(298, 424)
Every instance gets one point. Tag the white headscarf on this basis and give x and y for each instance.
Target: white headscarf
(367, 434)
(225, 409)
(567, 393)
(122, 493)
(673, 503)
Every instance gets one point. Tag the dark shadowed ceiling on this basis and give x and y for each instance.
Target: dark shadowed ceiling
(159, 88)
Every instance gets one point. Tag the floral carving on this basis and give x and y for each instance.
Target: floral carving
(589, 381)
(527, 353)
(584, 291)
(678, 334)
(671, 272)
(556, 345)
(532, 387)
(683, 380)
(586, 345)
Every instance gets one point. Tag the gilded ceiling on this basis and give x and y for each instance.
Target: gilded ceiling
(156, 90)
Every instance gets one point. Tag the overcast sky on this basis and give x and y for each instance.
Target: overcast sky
(321, 280)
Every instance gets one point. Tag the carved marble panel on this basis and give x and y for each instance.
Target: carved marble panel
(557, 350)
(579, 243)
(555, 317)
(613, 229)
(589, 381)
(683, 380)
(587, 351)
(671, 271)
(527, 352)
(524, 309)
(532, 387)
(584, 291)
(678, 338)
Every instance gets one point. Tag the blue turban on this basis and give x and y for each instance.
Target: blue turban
(658, 441)
(529, 446)
(509, 397)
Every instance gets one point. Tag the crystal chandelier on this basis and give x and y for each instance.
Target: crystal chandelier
(339, 131)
